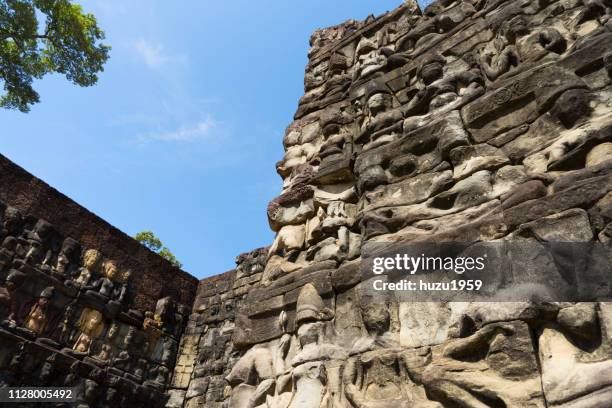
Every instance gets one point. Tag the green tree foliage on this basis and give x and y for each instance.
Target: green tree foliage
(148, 239)
(64, 41)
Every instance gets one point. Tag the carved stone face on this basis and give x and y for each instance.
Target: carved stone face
(105, 352)
(316, 76)
(126, 276)
(90, 389)
(12, 219)
(46, 371)
(369, 58)
(113, 331)
(308, 333)
(69, 247)
(376, 318)
(42, 228)
(110, 270)
(93, 321)
(378, 103)
(516, 28)
(91, 258)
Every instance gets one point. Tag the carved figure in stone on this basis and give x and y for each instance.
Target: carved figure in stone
(313, 227)
(252, 378)
(105, 354)
(123, 361)
(38, 253)
(141, 368)
(122, 291)
(313, 346)
(9, 376)
(336, 151)
(381, 379)
(91, 325)
(66, 258)
(430, 70)
(339, 214)
(293, 207)
(440, 18)
(329, 235)
(483, 370)
(11, 224)
(105, 286)
(113, 332)
(368, 58)
(516, 43)
(295, 156)
(376, 319)
(452, 90)
(574, 354)
(91, 263)
(316, 76)
(382, 123)
(7, 253)
(38, 317)
(169, 349)
(339, 79)
(259, 378)
(500, 55)
(14, 280)
(165, 314)
(282, 381)
(595, 10)
(12, 221)
(46, 370)
(542, 42)
(309, 372)
(90, 391)
(333, 145)
(111, 397)
(159, 374)
(250, 263)
(377, 375)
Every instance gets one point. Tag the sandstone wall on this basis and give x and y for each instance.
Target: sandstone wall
(475, 120)
(83, 304)
(469, 121)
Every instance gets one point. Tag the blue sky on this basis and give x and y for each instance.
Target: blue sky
(182, 132)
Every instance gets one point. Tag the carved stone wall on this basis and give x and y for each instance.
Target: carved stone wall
(481, 120)
(83, 304)
(474, 120)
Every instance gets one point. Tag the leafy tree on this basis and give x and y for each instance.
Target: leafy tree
(148, 239)
(65, 41)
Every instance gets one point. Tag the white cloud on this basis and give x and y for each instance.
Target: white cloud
(154, 55)
(199, 131)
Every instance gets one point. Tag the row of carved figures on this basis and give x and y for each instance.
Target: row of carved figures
(78, 302)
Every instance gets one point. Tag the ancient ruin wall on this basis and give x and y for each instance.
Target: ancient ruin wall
(482, 120)
(82, 304)
(475, 120)
(155, 278)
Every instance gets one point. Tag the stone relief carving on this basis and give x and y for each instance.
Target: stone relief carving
(66, 319)
(456, 124)
(468, 121)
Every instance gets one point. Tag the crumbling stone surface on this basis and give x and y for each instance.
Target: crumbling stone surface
(469, 120)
